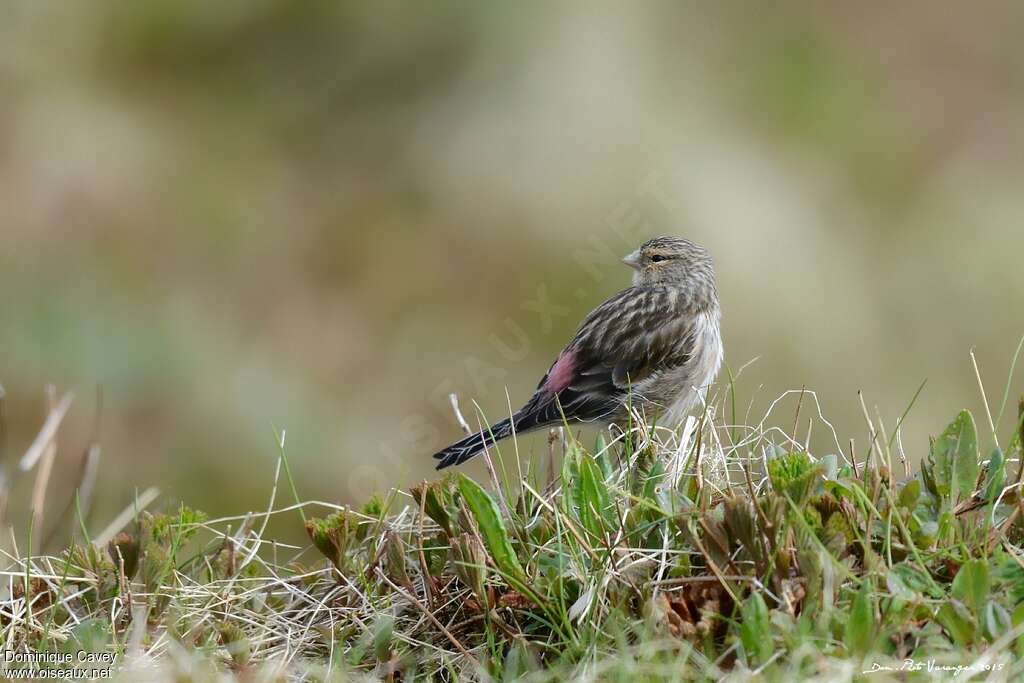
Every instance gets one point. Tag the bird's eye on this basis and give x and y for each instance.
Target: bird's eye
(658, 258)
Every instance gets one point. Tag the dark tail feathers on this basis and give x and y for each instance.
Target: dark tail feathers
(461, 451)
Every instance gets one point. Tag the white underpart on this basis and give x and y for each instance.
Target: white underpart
(700, 371)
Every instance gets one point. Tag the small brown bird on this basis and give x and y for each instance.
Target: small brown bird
(655, 347)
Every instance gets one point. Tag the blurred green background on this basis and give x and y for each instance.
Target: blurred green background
(326, 216)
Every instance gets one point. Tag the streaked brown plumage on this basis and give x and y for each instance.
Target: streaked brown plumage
(654, 346)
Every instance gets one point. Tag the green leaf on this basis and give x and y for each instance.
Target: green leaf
(1011, 575)
(571, 480)
(332, 536)
(926, 535)
(897, 585)
(909, 494)
(233, 638)
(741, 523)
(383, 636)
(92, 635)
(1018, 619)
(839, 491)
(470, 562)
(794, 474)
(436, 504)
(913, 579)
(594, 501)
(956, 619)
(996, 479)
(995, 621)
(954, 458)
(492, 527)
(972, 584)
(830, 466)
(928, 475)
(655, 477)
(860, 627)
(519, 662)
(600, 449)
(755, 633)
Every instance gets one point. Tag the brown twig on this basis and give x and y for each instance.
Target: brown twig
(799, 404)
(46, 433)
(1020, 434)
(80, 503)
(430, 615)
(454, 400)
(45, 463)
(715, 570)
(428, 581)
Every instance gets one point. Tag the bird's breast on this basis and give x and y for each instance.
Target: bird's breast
(683, 388)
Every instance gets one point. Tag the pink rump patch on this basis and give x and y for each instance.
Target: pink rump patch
(561, 374)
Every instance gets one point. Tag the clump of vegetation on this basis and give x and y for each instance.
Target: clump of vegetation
(714, 552)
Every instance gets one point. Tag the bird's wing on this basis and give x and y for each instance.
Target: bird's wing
(635, 334)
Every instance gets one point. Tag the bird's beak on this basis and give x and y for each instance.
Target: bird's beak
(632, 260)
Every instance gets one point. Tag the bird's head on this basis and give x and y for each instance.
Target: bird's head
(671, 261)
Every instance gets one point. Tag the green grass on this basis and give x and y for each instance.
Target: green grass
(719, 551)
